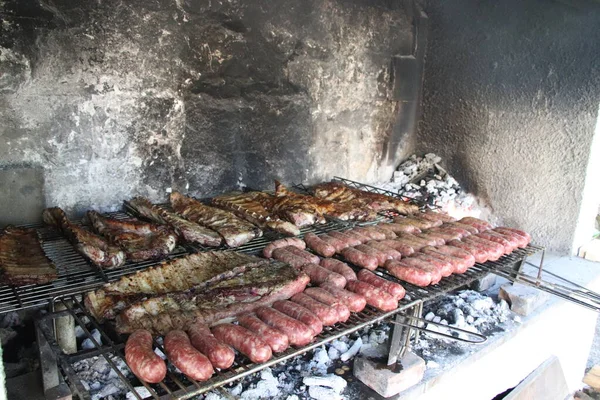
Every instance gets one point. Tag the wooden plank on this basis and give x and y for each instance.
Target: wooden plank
(546, 382)
(592, 378)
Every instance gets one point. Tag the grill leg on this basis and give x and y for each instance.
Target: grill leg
(54, 386)
(400, 339)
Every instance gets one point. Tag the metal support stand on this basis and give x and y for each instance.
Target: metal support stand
(55, 387)
(401, 334)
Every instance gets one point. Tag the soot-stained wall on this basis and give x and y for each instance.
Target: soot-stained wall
(511, 97)
(121, 98)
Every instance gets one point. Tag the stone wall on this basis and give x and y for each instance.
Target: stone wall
(511, 96)
(120, 98)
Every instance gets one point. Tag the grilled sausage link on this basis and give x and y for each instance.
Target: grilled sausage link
(404, 249)
(355, 302)
(298, 333)
(380, 246)
(219, 354)
(142, 360)
(300, 313)
(281, 254)
(359, 258)
(327, 315)
(319, 275)
(311, 258)
(496, 250)
(389, 234)
(522, 237)
(372, 234)
(277, 244)
(408, 273)
(480, 254)
(375, 297)
(318, 245)
(460, 264)
(184, 356)
(401, 227)
(325, 297)
(379, 255)
(276, 340)
(337, 244)
(506, 244)
(480, 224)
(243, 341)
(436, 274)
(394, 289)
(446, 268)
(349, 240)
(339, 267)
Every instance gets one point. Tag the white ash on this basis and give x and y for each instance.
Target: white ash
(100, 379)
(311, 375)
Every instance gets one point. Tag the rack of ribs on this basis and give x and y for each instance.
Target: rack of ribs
(235, 231)
(188, 231)
(140, 240)
(22, 259)
(99, 251)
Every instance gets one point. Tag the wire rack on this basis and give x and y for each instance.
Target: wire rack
(179, 386)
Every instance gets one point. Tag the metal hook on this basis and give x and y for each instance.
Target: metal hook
(481, 338)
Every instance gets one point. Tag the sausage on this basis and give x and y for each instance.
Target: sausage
(465, 256)
(323, 296)
(394, 289)
(396, 255)
(469, 228)
(433, 238)
(276, 340)
(357, 236)
(419, 223)
(506, 244)
(389, 234)
(354, 302)
(219, 354)
(418, 238)
(518, 232)
(375, 297)
(445, 267)
(184, 356)
(359, 258)
(400, 227)
(459, 265)
(458, 233)
(311, 258)
(496, 250)
(328, 315)
(480, 224)
(318, 245)
(243, 341)
(319, 275)
(436, 216)
(416, 245)
(523, 240)
(432, 222)
(379, 255)
(281, 254)
(369, 233)
(300, 313)
(480, 255)
(276, 244)
(404, 249)
(408, 273)
(141, 359)
(514, 241)
(434, 271)
(339, 267)
(337, 244)
(349, 240)
(298, 333)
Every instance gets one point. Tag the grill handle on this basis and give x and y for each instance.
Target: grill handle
(480, 338)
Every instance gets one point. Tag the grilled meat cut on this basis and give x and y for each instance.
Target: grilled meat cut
(339, 193)
(90, 245)
(140, 240)
(248, 207)
(22, 259)
(226, 299)
(188, 231)
(234, 230)
(194, 271)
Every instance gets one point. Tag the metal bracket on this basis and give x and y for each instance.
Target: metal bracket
(401, 334)
(54, 385)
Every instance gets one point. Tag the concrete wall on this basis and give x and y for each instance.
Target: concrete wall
(511, 98)
(120, 98)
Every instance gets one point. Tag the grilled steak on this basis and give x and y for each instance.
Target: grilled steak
(188, 231)
(241, 294)
(22, 259)
(234, 230)
(247, 206)
(340, 193)
(194, 271)
(301, 210)
(90, 245)
(140, 240)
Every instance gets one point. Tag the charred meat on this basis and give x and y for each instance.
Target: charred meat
(248, 207)
(235, 231)
(140, 240)
(188, 231)
(22, 259)
(90, 245)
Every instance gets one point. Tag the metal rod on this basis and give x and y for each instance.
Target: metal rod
(451, 328)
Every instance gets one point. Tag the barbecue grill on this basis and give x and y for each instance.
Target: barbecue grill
(77, 276)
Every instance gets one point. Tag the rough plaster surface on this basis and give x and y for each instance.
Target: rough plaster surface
(121, 98)
(511, 95)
